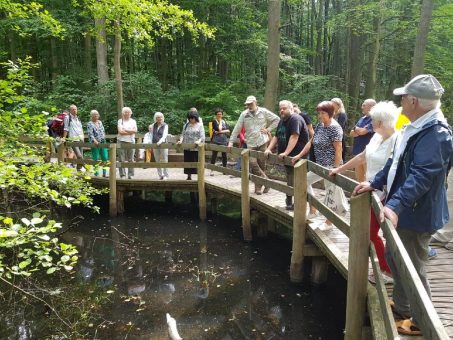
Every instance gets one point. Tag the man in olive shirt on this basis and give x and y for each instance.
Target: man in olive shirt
(257, 122)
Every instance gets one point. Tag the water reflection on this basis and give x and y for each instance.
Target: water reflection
(202, 274)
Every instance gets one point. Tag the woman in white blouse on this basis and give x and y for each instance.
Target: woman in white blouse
(375, 155)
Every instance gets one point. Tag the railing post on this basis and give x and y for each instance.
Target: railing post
(299, 221)
(60, 153)
(359, 245)
(201, 184)
(245, 195)
(113, 207)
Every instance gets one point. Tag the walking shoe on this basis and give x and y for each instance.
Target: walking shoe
(449, 246)
(325, 227)
(432, 253)
(266, 190)
(161, 177)
(165, 178)
(311, 216)
(212, 173)
(290, 207)
(386, 278)
(435, 242)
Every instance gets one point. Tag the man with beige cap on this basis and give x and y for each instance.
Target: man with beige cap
(257, 122)
(415, 177)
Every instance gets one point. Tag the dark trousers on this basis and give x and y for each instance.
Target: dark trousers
(214, 157)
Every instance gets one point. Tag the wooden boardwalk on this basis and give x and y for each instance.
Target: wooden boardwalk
(333, 244)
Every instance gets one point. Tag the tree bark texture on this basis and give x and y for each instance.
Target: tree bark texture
(418, 63)
(101, 52)
(273, 54)
(117, 68)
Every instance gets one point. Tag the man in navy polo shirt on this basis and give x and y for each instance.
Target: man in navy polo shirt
(362, 133)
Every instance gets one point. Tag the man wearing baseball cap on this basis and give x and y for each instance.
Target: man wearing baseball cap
(415, 175)
(257, 122)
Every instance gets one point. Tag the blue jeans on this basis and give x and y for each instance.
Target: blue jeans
(238, 161)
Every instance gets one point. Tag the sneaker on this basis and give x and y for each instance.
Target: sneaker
(432, 253)
(129, 177)
(435, 241)
(165, 178)
(312, 215)
(325, 227)
(290, 207)
(387, 279)
(211, 173)
(449, 246)
(266, 190)
(161, 177)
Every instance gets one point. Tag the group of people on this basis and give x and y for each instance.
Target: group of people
(407, 168)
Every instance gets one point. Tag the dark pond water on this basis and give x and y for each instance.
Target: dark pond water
(158, 259)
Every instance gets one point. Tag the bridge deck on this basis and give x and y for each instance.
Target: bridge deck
(334, 244)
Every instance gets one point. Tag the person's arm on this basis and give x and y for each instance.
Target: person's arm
(311, 131)
(351, 164)
(338, 149)
(271, 146)
(304, 151)
(433, 151)
(272, 120)
(215, 127)
(201, 132)
(226, 130)
(121, 130)
(164, 135)
(66, 126)
(90, 131)
(291, 144)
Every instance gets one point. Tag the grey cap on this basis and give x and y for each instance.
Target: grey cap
(250, 99)
(423, 86)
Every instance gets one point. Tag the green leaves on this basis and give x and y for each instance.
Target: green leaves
(34, 248)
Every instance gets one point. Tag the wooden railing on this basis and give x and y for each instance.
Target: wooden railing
(357, 229)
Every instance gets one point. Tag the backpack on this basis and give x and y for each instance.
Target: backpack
(56, 126)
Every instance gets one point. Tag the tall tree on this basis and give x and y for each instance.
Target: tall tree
(418, 62)
(273, 54)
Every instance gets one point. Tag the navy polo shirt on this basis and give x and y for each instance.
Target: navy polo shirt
(361, 142)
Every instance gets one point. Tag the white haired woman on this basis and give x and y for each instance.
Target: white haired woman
(96, 135)
(383, 117)
(158, 132)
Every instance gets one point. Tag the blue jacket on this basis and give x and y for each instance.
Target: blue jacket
(418, 194)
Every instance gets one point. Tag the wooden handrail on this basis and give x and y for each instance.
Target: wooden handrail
(426, 315)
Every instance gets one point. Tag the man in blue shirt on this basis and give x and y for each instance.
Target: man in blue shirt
(362, 133)
(415, 175)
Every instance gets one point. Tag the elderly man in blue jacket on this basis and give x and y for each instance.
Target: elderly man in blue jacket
(415, 178)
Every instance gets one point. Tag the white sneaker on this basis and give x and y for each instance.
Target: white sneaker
(165, 178)
(212, 173)
(312, 215)
(325, 227)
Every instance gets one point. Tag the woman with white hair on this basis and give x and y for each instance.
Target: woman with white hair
(383, 117)
(96, 135)
(158, 132)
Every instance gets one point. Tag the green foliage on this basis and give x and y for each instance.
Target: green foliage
(30, 14)
(26, 247)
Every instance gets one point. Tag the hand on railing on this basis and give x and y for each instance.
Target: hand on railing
(362, 187)
(267, 152)
(390, 214)
(230, 146)
(295, 159)
(334, 171)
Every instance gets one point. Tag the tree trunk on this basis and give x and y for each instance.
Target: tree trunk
(101, 52)
(12, 45)
(418, 63)
(87, 55)
(318, 57)
(117, 68)
(373, 55)
(355, 59)
(53, 59)
(273, 54)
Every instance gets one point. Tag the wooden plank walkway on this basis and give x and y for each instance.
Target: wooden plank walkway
(334, 244)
